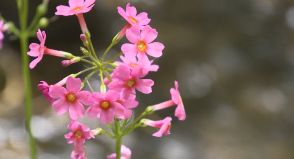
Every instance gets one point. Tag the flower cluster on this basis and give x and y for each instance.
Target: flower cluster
(121, 80)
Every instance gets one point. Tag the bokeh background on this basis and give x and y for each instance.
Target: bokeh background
(234, 60)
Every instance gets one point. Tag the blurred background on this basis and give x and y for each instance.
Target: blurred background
(234, 60)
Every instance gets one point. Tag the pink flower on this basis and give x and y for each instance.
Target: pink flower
(129, 102)
(131, 16)
(127, 81)
(106, 107)
(75, 7)
(39, 50)
(77, 136)
(141, 63)
(163, 125)
(175, 101)
(2, 29)
(44, 87)
(142, 43)
(126, 153)
(70, 99)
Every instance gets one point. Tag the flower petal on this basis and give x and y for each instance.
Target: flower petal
(73, 84)
(155, 49)
(57, 91)
(145, 85)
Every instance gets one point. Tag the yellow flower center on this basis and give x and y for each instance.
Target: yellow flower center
(141, 46)
(131, 83)
(76, 9)
(132, 19)
(105, 105)
(70, 97)
(78, 134)
(133, 65)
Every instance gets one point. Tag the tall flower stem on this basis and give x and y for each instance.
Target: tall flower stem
(118, 139)
(24, 36)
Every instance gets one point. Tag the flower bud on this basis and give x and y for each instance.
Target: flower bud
(43, 22)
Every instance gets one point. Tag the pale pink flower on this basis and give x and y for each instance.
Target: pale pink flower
(142, 43)
(126, 153)
(141, 63)
(163, 125)
(2, 29)
(70, 99)
(77, 136)
(105, 106)
(176, 100)
(127, 81)
(75, 7)
(130, 15)
(39, 50)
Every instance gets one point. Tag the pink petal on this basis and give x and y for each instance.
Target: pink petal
(76, 3)
(89, 3)
(57, 91)
(131, 10)
(92, 111)
(60, 106)
(149, 34)
(85, 97)
(112, 95)
(122, 12)
(155, 49)
(73, 113)
(107, 117)
(133, 35)
(129, 49)
(63, 10)
(180, 112)
(122, 72)
(73, 84)
(145, 85)
(36, 61)
(143, 18)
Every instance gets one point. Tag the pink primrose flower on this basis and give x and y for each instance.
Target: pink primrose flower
(176, 100)
(141, 63)
(127, 81)
(75, 7)
(70, 99)
(39, 50)
(130, 15)
(126, 153)
(44, 87)
(129, 102)
(77, 136)
(163, 125)
(105, 106)
(142, 43)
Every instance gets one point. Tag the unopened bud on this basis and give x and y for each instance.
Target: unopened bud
(43, 22)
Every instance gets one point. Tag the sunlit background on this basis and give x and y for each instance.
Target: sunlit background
(234, 60)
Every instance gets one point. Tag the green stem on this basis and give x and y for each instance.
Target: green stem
(23, 17)
(107, 50)
(118, 139)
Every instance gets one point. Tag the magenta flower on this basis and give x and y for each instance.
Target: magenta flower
(77, 136)
(127, 81)
(176, 100)
(141, 63)
(39, 50)
(75, 7)
(142, 43)
(2, 29)
(70, 99)
(126, 153)
(106, 107)
(130, 15)
(163, 125)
